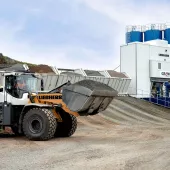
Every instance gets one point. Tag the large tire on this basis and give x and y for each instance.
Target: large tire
(39, 124)
(68, 127)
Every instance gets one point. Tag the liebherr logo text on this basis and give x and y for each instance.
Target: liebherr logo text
(50, 97)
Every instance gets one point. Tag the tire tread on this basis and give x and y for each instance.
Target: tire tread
(67, 128)
(52, 125)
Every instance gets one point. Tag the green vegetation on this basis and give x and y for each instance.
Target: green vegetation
(7, 60)
(33, 67)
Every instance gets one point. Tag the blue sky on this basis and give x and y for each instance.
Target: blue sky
(73, 33)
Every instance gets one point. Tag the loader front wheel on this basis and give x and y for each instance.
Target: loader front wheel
(68, 127)
(39, 124)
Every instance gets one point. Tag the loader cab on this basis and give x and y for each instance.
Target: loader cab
(18, 84)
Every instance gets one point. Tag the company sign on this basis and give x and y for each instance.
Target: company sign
(164, 55)
(165, 73)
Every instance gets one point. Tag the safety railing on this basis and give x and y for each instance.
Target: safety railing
(158, 98)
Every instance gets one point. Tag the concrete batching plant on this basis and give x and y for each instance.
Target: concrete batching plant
(146, 59)
(143, 33)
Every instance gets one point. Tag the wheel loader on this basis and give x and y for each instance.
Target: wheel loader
(42, 115)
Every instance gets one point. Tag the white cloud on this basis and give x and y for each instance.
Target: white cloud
(129, 13)
(59, 56)
(120, 12)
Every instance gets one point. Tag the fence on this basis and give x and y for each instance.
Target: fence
(53, 81)
(139, 93)
(158, 99)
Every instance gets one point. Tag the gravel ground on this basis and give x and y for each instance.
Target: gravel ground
(111, 140)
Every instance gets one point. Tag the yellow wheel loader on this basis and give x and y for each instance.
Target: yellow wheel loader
(42, 115)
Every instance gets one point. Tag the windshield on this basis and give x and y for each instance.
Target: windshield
(27, 82)
(17, 85)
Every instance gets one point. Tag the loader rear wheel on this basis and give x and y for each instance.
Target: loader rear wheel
(39, 124)
(68, 127)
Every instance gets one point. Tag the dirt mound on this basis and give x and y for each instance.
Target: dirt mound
(41, 69)
(129, 110)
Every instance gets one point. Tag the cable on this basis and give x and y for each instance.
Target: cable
(116, 67)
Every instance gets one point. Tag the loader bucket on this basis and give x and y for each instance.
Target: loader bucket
(88, 97)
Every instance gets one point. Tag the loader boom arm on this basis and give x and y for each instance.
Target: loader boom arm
(54, 99)
(86, 97)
